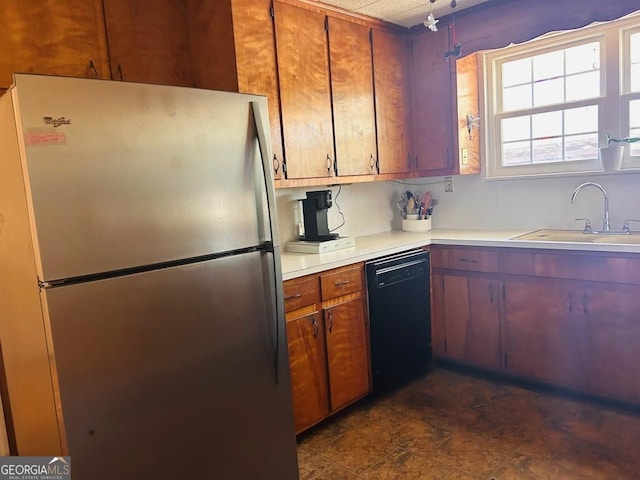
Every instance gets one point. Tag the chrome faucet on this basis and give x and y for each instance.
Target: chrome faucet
(605, 222)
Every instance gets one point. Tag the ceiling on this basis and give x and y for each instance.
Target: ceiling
(402, 12)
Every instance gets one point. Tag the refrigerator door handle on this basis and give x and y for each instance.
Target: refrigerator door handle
(276, 287)
(276, 317)
(265, 155)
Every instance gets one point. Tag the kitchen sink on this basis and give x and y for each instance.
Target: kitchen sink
(552, 235)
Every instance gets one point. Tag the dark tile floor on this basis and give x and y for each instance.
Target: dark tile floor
(449, 425)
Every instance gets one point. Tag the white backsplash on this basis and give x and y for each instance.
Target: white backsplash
(475, 203)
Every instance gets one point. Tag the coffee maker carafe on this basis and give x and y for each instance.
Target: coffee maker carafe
(314, 209)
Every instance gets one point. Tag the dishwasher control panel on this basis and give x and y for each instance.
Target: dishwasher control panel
(402, 272)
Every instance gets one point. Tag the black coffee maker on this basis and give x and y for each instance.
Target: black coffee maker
(314, 209)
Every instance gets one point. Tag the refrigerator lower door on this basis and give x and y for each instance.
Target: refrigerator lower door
(171, 374)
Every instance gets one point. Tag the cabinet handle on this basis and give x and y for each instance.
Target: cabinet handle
(330, 321)
(93, 69)
(291, 297)
(470, 260)
(276, 164)
(329, 165)
(584, 304)
(372, 162)
(343, 283)
(120, 74)
(491, 294)
(570, 302)
(316, 327)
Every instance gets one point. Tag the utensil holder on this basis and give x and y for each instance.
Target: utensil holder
(416, 225)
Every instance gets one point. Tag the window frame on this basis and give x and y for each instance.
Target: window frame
(613, 101)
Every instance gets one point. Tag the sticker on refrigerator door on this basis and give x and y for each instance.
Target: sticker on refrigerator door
(45, 138)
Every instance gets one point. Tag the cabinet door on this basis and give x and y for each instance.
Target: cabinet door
(347, 352)
(53, 38)
(543, 338)
(149, 41)
(467, 109)
(233, 49)
(433, 103)
(438, 328)
(472, 320)
(613, 339)
(352, 97)
(257, 68)
(306, 341)
(392, 66)
(305, 96)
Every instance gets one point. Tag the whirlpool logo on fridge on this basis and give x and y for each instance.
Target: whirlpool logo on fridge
(35, 468)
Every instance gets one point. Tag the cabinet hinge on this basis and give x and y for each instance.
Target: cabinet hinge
(326, 24)
(371, 36)
(272, 11)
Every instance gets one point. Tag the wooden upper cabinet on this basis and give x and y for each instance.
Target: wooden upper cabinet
(433, 122)
(392, 66)
(468, 115)
(149, 41)
(233, 49)
(257, 69)
(53, 38)
(305, 95)
(352, 97)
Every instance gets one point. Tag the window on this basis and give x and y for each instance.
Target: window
(550, 101)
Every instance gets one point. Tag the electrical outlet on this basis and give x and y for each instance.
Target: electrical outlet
(448, 184)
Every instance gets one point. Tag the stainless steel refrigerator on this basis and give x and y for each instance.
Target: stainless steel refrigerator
(141, 315)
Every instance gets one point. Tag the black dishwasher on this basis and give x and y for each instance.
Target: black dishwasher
(400, 318)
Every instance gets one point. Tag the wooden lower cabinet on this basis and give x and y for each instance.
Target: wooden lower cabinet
(307, 358)
(465, 312)
(568, 319)
(612, 340)
(471, 320)
(465, 320)
(544, 335)
(327, 334)
(347, 352)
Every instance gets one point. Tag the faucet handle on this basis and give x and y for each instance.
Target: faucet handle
(587, 225)
(625, 226)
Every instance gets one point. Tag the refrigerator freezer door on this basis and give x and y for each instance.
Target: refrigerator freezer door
(125, 174)
(171, 374)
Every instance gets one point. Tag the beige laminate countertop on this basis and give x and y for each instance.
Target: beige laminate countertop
(369, 247)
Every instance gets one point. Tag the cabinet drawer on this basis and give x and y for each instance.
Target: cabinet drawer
(591, 267)
(341, 282)
(471, 259)
(300, 293)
